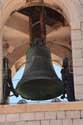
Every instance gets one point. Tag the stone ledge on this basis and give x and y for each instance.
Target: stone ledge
(52, 107)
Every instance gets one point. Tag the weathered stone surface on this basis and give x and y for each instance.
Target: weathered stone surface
(73, 114)
(61, 115)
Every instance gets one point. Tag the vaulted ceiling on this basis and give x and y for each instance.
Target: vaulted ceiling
(16, 36)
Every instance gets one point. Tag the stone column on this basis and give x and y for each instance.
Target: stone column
(1, 56)
(77, 51)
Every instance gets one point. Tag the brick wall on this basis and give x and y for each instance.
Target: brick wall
(42, 114)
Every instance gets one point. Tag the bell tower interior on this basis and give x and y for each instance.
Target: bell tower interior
(63, 36)
(58, 36)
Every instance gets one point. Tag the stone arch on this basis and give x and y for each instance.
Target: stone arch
(73, 17)
(72, 11)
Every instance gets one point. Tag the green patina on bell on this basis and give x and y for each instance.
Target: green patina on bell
(39, 81)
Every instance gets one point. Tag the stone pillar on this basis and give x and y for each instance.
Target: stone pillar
(1, 53)
(77, 53)
(1, 56)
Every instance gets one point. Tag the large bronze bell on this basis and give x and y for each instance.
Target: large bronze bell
(39, 81)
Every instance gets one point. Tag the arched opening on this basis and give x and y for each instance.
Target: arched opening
(58, 36)
(57, 44)
(57, 32)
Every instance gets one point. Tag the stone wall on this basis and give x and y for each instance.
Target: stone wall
(42, 114)
(77, 48)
